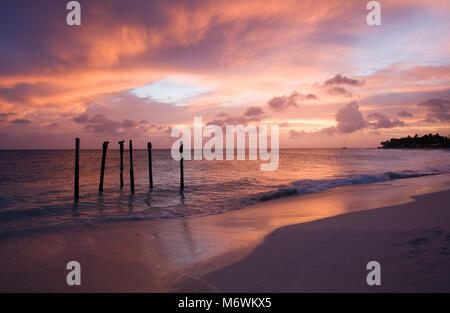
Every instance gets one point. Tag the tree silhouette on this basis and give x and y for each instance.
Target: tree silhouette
(426, 141)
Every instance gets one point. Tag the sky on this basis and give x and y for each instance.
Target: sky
(135, 69)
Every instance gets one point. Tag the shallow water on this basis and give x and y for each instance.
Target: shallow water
(36, 187)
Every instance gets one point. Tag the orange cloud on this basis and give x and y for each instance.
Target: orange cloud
(245, 52)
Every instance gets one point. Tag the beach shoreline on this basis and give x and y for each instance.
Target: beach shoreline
(198, 254)
(410, 242)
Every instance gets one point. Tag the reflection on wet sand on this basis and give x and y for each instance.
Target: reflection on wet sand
(155, 255)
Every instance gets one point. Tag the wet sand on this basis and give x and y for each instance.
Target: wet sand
(411, 242)
(326, 248)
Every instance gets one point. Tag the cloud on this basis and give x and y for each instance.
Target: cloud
(438, 109)
(50, 72)
(349, 119)
(23, 92)
(335, 85)
(343, 80)
(118, 35)
(129, 123)
(405, 114)
(216, 122)
(5, 116)
(82, 118)
(21, 121)
(234, 120)
(284, 102)
(411, 75)
(51, 125)
(294, 134)
(328, 131)
(340, 91)
(378, 120)
(103, 125)
(253, 111)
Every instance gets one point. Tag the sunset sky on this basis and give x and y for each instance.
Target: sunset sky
(134, 69)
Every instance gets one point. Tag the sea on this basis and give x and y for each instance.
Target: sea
(37, 186)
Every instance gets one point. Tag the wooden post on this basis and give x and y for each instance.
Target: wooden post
(131, 167)
(77, 169)
(181, 167)
(150, 174)
(121, 163)
(102, 172)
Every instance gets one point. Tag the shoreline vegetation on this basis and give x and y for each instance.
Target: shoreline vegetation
(427, 141)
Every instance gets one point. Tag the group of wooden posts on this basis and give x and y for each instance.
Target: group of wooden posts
(102, 169)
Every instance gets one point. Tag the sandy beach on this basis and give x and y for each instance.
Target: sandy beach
(317, 242)
(411, 242)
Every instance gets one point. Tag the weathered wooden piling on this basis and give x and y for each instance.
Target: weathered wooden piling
(181, 167)
(102, 171)
(121, 163)
(77, 169)
(150, 173)
(131, 167)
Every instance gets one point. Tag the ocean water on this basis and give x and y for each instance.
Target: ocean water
(36, 187)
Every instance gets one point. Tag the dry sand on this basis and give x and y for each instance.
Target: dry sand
(246, 250)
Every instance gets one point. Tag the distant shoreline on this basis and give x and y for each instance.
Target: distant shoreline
(429, 141)
(418, 148)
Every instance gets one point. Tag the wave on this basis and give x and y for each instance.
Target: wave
(312, 186)
(53, 217)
